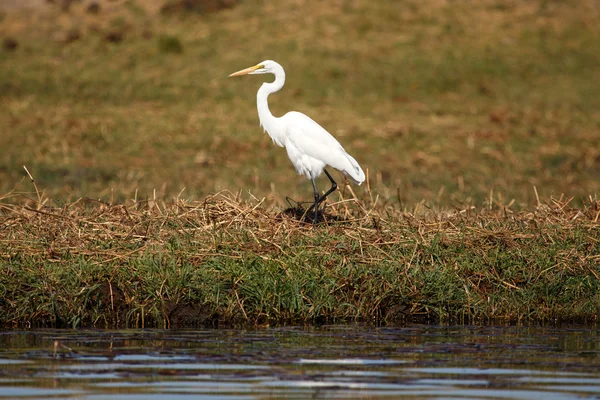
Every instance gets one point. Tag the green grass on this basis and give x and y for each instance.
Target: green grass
(459, 98)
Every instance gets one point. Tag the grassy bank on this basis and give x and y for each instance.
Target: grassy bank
(222, 261)
(463, 114)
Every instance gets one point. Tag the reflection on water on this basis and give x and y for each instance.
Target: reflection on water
(328, 362)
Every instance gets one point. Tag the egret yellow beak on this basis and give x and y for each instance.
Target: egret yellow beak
(246, 71)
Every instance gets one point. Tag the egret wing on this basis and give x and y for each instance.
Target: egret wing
(313, 140)
(310, 138)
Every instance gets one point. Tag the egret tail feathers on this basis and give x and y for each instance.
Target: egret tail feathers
(352, 170)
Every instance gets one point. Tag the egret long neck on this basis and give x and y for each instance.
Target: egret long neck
(269, 122)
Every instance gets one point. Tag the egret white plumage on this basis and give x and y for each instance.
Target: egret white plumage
(309, 146)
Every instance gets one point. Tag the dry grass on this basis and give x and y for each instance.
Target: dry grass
(224, 261)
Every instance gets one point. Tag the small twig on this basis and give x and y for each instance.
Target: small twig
(37, 192)
(112, 303)
(45, 213)
(369, 187)
(537, 197)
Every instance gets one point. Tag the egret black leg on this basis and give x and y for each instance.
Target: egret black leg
(333, 187)
(318, 199)
(316, 205)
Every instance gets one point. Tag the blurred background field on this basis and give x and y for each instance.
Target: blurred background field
(442, 102)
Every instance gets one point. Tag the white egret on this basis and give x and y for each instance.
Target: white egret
(309, 146)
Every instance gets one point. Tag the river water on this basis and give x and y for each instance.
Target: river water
(331, 362)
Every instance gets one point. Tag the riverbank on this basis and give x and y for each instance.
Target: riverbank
(225, 261)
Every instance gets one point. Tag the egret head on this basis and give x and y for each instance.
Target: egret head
(265, 67)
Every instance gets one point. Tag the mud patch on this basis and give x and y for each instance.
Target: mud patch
(189, 315)
(197, 6)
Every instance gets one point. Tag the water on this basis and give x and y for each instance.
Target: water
(332, 362)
